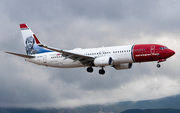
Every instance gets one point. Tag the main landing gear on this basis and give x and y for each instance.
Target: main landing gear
(101, 71)
(90, 69)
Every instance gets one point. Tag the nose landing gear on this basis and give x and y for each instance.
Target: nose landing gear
(158, 65)
(161, 60)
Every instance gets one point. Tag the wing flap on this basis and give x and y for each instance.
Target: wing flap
(85, 60)
(65, 53)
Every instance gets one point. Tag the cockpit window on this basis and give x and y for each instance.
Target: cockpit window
(163, 48)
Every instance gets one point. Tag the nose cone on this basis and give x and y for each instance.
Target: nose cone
(171, 52)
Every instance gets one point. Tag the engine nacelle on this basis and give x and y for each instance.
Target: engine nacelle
(123, 66)
(103, 61)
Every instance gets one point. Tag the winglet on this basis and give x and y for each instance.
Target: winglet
(37, 40)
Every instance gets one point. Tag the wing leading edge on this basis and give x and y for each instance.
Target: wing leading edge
(85, 60)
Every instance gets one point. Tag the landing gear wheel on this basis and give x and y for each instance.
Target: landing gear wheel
(90, 69)
(158, 65)
(101, 71)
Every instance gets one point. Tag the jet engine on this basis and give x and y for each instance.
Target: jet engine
(123, 66)
(103, 61)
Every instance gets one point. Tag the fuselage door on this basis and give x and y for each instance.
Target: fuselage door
(101, 53)
(152, 50)
(45, 58)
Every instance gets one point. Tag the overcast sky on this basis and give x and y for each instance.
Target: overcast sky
(69, 24)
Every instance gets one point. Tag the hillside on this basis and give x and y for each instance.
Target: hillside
(152, 111)
(172, 102)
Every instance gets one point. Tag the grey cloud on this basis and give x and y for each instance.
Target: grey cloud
(71, 24)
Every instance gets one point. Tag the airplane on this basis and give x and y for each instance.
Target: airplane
(119, 57)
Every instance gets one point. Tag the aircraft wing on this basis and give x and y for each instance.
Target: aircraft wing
(21, 55)
(85, 60)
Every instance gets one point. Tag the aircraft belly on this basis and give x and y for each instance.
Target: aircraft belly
(68, 63)
(35, 60)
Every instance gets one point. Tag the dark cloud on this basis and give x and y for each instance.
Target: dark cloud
(70, 24)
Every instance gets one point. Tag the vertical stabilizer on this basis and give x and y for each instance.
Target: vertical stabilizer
(29, 41)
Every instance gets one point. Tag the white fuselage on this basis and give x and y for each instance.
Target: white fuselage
(119, 57)
(120, 54)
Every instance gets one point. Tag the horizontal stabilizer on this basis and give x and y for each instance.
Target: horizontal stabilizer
(21, 55)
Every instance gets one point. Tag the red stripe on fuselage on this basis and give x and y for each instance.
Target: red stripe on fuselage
(149, 52)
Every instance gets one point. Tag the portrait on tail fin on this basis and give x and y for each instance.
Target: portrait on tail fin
(29, 45)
